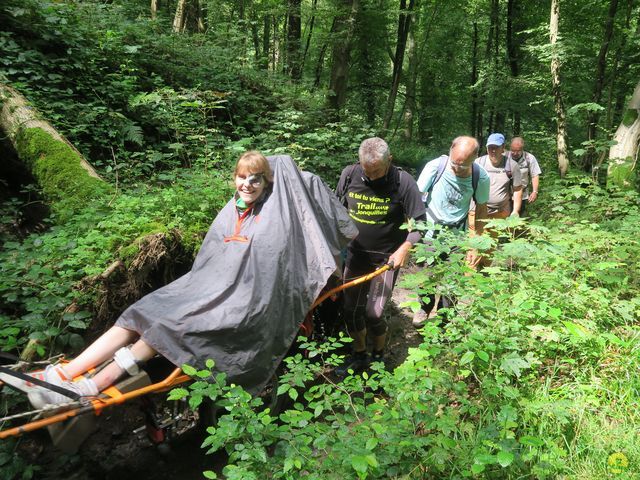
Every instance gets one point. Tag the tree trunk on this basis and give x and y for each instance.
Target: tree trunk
(601, 66)
(266, 42)
(179, 19)
(404, 23)
(613, 83)
(624, 155)
(513, 52)
(154, 9)
(65, 176)
(474, 80)
(309, 33)
(561, 136)
(294, 36)
(344, 27)
(412, 76)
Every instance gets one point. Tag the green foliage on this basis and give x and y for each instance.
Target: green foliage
(494, 390)
(40, 274)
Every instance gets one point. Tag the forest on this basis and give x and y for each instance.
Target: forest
(121, 121)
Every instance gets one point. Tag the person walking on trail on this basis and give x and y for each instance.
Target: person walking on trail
(505, 192)
(448, 184)
(264, 261)
(380, 198)
(529, 169)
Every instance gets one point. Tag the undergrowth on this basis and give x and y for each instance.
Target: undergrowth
(534, 374)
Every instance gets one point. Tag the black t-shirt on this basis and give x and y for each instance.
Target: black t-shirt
(379, 210)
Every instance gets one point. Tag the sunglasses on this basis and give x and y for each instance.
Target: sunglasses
(254, 180)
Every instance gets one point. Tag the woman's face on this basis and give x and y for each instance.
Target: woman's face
(250, 186)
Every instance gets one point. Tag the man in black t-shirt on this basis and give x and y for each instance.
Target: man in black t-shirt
(380, 198)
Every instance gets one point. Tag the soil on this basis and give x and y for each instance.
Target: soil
(119, 449)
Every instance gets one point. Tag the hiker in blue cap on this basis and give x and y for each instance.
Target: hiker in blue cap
(505, 177)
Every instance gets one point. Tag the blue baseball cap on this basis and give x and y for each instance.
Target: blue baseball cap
(495, 139)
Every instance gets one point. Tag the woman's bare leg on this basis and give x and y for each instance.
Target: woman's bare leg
(100, 350)
(112, 372)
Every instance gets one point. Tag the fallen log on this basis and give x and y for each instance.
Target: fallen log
(66, 178)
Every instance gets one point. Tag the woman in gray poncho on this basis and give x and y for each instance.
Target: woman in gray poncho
(265, 259)
(253, 179)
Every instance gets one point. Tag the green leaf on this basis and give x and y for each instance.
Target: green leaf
(360, 463)
(505, 458)
(283, 388)
(579, 332)
(513, 364)
(531, 441)
(210, 364)
(484, 356)
(189, 370)
(178, 393)
(467, 358)
(371, 443)
(210, 474)
(293, 393)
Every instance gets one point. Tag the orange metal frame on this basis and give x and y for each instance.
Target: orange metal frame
(174, 379)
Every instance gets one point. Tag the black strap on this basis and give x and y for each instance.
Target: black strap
(342, 194)
(475, 178)
(41, 383)
(8, 358)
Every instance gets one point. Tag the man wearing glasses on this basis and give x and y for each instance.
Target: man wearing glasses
(448, 184)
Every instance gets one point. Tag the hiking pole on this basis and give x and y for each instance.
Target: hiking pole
(352, 283)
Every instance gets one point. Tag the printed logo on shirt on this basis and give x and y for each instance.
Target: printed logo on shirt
(369, 209)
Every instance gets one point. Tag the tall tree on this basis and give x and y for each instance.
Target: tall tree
(154, 8)
(412, 74)
(601, 65)
(561, 117)
(513, 53)
(188, 17)
(344, 26)
(623, 156)
(312, 21)
(404, 23)
(294, 35)
(475, 107)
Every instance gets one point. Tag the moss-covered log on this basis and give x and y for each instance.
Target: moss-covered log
(67, 180)
(623, 156)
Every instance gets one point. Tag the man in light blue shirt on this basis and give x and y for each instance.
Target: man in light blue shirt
(448, 197)
(448, 184)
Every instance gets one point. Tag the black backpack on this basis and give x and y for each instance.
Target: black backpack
(342, 194)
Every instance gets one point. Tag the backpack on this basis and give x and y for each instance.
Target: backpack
(342, 194)
(475, 178)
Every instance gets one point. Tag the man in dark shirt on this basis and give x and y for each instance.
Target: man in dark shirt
(380, 198)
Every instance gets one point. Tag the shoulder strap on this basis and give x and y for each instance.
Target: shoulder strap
(475, 178)
(345, 188)
(444, 159)
(507, 166)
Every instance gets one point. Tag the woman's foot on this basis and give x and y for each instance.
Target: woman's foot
(53, 374)
(43, 397)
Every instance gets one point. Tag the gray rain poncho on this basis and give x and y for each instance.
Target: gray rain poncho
(252, 283)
